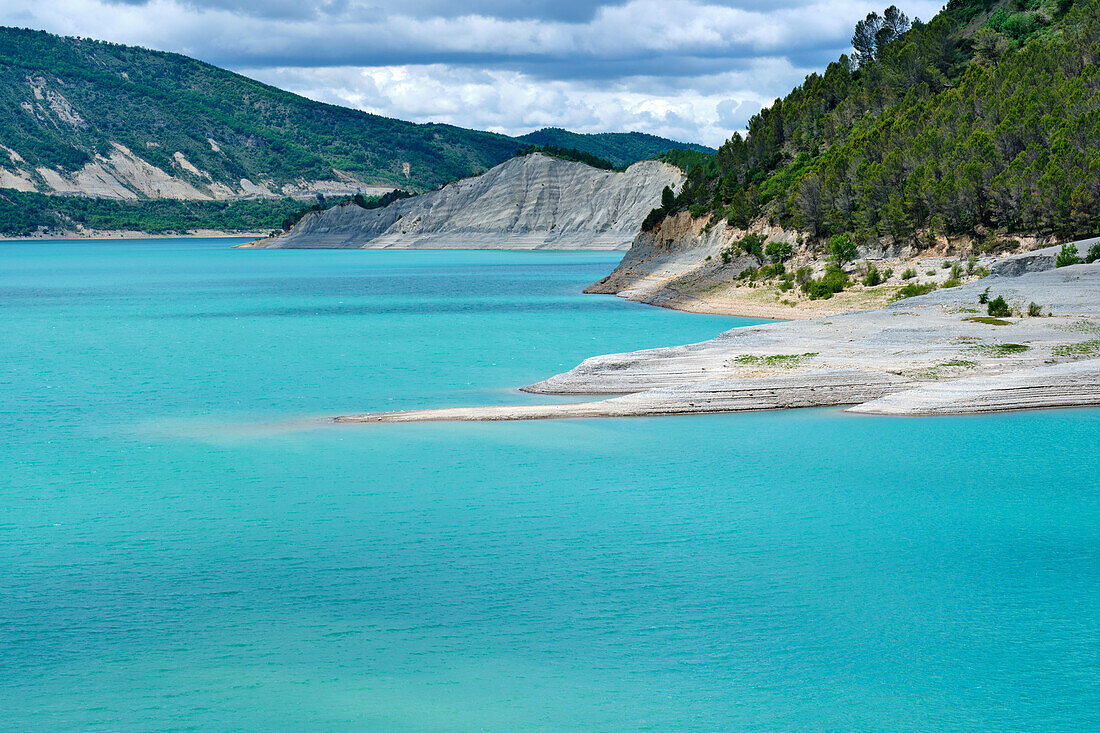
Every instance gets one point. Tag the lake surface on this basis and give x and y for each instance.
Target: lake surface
(185, 546)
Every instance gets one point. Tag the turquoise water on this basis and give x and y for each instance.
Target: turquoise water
(183, 546)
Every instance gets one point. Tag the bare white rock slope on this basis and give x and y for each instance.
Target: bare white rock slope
(529, 202)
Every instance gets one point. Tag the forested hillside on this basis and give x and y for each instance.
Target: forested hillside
(70, 103)
(619, 148)
(66, 100)
(985, 119)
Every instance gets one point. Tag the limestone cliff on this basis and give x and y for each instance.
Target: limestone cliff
(528, 202)
(682, 252)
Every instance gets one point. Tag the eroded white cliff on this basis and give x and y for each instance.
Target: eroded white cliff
(529, 202)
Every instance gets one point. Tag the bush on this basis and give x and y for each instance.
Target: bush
(803, 274)
(1093, 254)
(983, 297)
(752, 244)
(971, 264)
(887, 273)
(653, 218)
(914, 289)
(769, 271)
(873, 277)
(779, 251)
(1034, 310)
(843, 249)
(909, 274)
(998, 308)
(1068, 256)
(956, 272)
(833, 281)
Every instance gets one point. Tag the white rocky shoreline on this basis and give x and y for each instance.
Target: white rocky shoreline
(935, 354)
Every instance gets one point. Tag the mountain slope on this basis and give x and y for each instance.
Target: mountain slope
(620, 148)
(88, 118)
(75, 112)
(986, 118)
(531, 202)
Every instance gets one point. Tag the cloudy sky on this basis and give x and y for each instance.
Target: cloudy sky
(692, 70)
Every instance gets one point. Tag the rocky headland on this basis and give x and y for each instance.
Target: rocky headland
(529, 202)
(938, 353)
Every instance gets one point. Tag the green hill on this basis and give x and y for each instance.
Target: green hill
(983, 121)
(64, 100)
(121, 127)
(620, 148)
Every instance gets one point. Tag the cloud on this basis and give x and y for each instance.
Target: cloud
(693, 67)
(513, 103)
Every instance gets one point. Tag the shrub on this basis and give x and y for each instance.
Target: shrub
(951, 282)
(998, 308)
(1093, 253)
(983, 297)
(752, 244)
(778, 251)
(769, 271)
(1068, 256)
(833, 281)
(873, 276)
(1034, 309)
(956, 271)
(803, 274)
(909, 274)
(971, 264)
(914, 289)
(843, 249)
(887, 273)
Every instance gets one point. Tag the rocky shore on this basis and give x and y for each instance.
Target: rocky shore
(933, 354)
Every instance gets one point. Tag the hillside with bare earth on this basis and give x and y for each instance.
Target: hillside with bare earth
(530, 202)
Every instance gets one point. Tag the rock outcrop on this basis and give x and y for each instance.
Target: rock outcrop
(1076, 384)
(529, 202)
(925, 355)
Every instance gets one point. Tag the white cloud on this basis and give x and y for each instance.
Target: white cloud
(697, 110)
(683, 68)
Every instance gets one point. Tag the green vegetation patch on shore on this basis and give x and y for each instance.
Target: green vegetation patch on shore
(25, 214)
(775, 360)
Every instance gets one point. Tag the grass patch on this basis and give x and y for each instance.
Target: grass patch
(999, 350)
(988, 320)
(780, 360)
(937, 371)
(1084, 348)
(914, 289)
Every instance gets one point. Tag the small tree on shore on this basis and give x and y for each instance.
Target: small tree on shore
(843, 249)
(1068, 256)
(998, 308)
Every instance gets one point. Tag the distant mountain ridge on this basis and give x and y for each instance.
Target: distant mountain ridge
(90, 118)
(620, 148)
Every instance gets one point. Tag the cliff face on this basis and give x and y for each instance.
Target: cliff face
(681, 255)
(529, 202)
